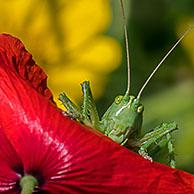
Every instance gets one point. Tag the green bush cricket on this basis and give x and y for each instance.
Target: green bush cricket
(122, 122)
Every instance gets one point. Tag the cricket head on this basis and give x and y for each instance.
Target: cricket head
(129, 114)
(128, 110)
(125, 117)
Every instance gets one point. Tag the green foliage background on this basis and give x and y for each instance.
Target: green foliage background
(152, 27)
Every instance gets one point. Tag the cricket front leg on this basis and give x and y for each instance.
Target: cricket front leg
(161, 136)
(171, 153)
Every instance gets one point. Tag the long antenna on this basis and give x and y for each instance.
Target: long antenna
(164, 58)
(126, 45)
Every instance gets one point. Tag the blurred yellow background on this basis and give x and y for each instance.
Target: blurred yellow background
(81, 40)
(66, 38)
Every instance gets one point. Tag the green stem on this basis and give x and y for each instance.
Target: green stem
(28, 184)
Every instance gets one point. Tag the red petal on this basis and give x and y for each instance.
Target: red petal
(19, 60)
(65, 156)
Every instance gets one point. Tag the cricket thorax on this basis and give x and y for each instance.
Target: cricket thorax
(123, 118)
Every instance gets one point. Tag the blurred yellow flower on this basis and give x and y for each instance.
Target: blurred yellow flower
(67, 39)
(189, 39)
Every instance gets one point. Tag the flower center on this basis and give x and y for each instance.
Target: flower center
(28, 184)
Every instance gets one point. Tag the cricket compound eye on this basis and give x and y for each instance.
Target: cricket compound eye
(118, 99)
(140, 109)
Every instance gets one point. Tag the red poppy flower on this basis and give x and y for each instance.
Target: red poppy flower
(37, 142)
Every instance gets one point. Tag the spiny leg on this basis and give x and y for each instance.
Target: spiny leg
(165, 142)
(152, 137)
(171, 149)
(72, 110)
(89, 111)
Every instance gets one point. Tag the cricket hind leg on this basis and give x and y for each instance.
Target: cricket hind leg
(89, 111)
(160, 136)
(71, 109)
(87, 114)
